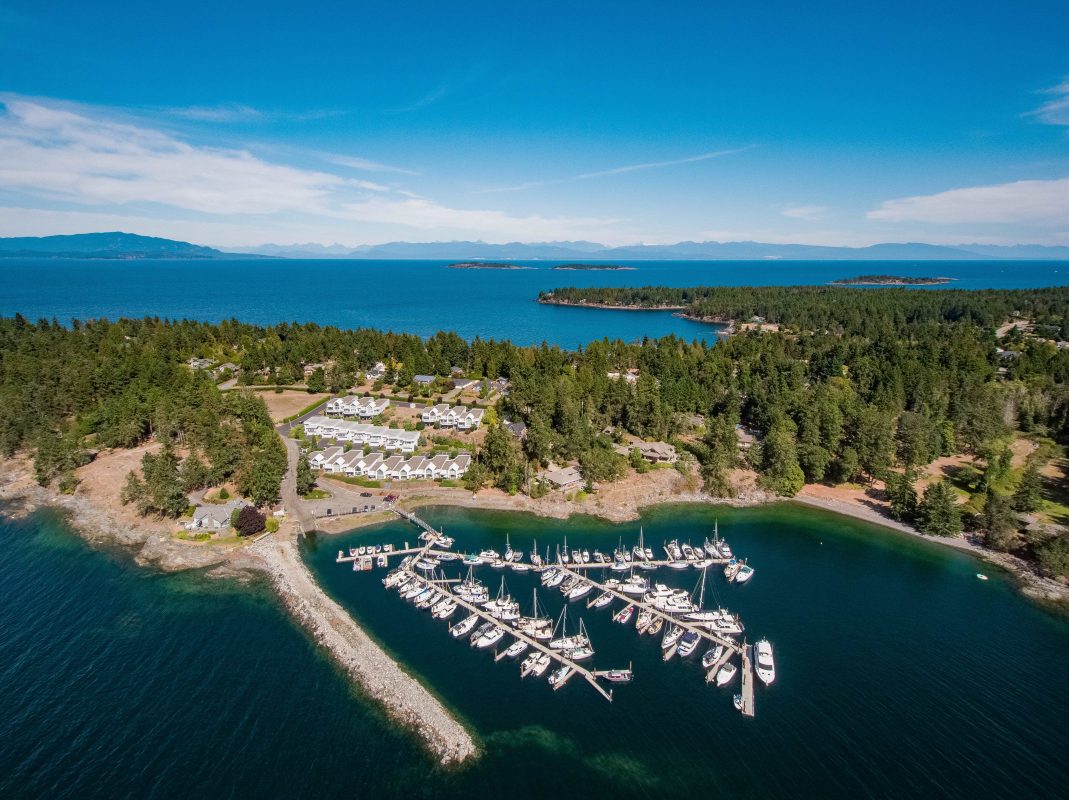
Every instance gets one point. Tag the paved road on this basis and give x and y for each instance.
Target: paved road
(294, 508)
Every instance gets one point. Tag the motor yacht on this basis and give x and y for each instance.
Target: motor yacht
(766, 665)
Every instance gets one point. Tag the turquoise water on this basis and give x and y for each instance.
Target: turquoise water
(424, 297)
(899, 675)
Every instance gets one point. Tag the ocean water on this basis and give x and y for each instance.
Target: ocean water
(423, 297)
(899, 675)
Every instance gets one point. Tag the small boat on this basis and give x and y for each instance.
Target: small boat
(655, 626)
(744, 574)
(737, 700)
(426, 564)
(508, 549)
(643, 621)
(529, 664)
(580, 590)
(623, 616)
(981, 576)
(688, 552)
(577, 557)
(712, 655)
(445, 555)
(499, 564)
(489, 638)
(674, 551)
(726, 674)
(688, 643)
(732, 569)
(579, 653)
(636, 585)
(541, 665)
(620, 566)
(560, 675)
(516, 648)
(671, 638)
(381, 561)
(766, 665)
(617, 675)
(586, 556)
(464, 627)
(602, 600)
(549, 574)
(472, 560)
(520, 567)
(489, 555)
(562, 555)
(649, 553)
(483, 629)
(555, 580)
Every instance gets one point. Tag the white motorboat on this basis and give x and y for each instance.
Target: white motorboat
(620, 566)
(464, 627)
(489, 638)
(490, 555)
(516, 648)
(636, 585)
(726, 674)
(678, 565)
(688, 551)
(540, 666)
(766, 665)
(674, 551)
(712, 655)
(529, 664)
(655, 626)
(499, 564)
(586, 556)
(446, 611)
(744, 574)
(688, 643)
(732, 569)
(519, 566)
(483, 629)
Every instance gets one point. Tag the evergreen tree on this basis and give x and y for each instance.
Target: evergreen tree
(998, 521)
(901, 494)
(305, 478)
(317, 381)
(938, 514)
(1029, 495)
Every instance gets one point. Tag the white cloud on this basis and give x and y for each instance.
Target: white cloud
(65, 155)
(1034, 202)
(227, 112)
(807, 213)
(1056, 110)
(616, 171)
(52, 153)
(366, 164)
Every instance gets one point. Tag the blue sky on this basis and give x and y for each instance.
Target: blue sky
(241, 123)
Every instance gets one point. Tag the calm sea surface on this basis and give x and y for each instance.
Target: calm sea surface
(899, 675)
(424, 297)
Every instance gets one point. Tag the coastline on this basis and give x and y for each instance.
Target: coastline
(364, 662)
(151, 543)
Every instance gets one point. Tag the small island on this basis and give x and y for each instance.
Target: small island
(486, 265)
(609, 267)
(889, 280)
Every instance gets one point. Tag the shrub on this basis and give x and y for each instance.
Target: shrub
(249, 521)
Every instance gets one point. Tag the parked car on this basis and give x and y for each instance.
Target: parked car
(365, 494)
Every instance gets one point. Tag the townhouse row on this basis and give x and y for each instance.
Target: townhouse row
(362, 433)
(363, 407)
(446, 416)
(382, 466)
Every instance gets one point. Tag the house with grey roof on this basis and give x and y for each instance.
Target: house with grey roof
(214, 518)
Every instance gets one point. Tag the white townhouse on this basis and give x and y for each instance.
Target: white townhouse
(450, 417)
(471, 420)
(361, 433)
(320, 457)
(363, 407)
(379, 466)
(432, 414)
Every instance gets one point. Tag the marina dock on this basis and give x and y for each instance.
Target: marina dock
(747, 682)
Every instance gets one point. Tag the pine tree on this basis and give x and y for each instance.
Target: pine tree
(1029, 494)
(938, 514)
(901, 495)
(305, 478)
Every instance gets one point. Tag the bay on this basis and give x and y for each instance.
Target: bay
(423, 297)
(898, 675)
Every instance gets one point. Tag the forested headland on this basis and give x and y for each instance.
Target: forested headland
(856, 386)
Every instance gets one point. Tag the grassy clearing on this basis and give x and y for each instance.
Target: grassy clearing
(366, 483)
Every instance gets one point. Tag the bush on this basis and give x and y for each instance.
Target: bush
(223, 494)
(271, 526)
(249, 521)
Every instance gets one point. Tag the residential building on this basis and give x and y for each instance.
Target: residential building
(213, 518)
(360, 433)
(564, 478)
(653, 452)
(431, 414)
(423, 380)
(379, 466)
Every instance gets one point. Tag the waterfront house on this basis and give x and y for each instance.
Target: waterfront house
(563, 478)
(653, 452)
(213, 518)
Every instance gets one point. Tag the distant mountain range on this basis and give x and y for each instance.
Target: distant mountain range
(114, 245)
(697, 251)
(118, 245)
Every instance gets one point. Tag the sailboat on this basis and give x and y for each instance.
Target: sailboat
(563, 555)
(503, 607)
(536, 559)
(508, 549)
(538, 625)
(564, 641)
